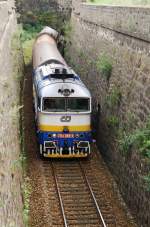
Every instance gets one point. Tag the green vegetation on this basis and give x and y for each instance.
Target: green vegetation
(29, 32)
(39, 19)
(112, 121)
(67, 29)
(139, 139)
(32, 24)
(147, 182)
(113, 99)
(104, 65)
(120, 2)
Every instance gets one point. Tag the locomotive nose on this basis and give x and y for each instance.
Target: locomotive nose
(65, 129)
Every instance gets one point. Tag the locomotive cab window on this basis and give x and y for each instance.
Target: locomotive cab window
(78, 104)
(66, 105)
(53, 105)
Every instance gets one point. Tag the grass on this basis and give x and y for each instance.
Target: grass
(121, 2)
(28, 34)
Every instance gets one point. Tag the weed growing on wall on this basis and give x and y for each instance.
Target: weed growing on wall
(147, 182)
(114, 98)
(104, 66)
(67, 30)
(65, 39)
(139, 139)
(112, 121)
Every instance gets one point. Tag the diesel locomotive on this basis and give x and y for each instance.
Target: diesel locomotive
(62, 102)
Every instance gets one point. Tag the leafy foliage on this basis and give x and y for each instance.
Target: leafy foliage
(104, 65)
(33, 24)
(140, 139)
(29, 32)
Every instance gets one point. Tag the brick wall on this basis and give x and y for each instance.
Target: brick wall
(10, 165)
(121, 34)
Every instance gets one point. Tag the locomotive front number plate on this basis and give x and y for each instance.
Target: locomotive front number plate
(65, 136)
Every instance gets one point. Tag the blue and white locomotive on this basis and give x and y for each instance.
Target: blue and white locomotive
(62, 102)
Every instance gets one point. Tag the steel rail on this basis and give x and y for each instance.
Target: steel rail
(93, 196)
(59, 195)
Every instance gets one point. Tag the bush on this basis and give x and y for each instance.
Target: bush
(140, 139)
(29, 31)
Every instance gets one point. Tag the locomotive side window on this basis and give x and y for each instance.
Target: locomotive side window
(78, 104)
(53, 105)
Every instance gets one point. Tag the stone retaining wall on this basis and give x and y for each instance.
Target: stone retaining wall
(127, 20)
(122, 35)
(11, 209)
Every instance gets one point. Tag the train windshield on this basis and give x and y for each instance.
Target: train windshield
(78, 104)
(66, 105)
(54, 105)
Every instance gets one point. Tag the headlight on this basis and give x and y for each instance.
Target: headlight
(81, 135)
(54, 135)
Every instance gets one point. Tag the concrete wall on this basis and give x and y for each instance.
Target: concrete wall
(10, 165)
(121, 34)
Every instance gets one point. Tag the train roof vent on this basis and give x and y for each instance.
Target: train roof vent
(60, 71)
(56, 71)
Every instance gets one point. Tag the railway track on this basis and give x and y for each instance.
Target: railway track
(76, 196)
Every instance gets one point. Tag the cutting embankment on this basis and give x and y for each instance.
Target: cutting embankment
(115, 54)
(44, 203)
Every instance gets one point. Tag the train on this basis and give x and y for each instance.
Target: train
(62, 102)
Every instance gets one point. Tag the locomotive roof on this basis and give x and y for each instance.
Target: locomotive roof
(51, 78)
